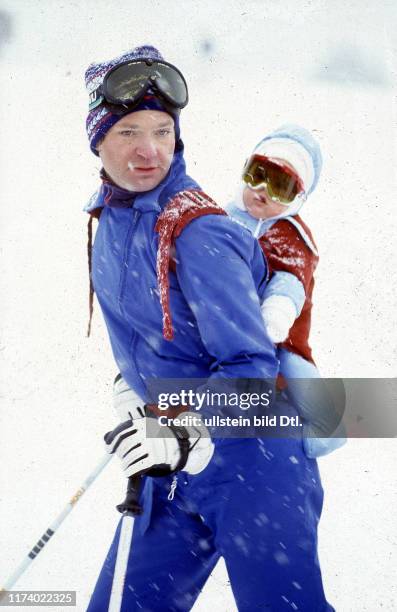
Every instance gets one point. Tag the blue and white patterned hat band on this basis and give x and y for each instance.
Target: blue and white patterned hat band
(100, 119)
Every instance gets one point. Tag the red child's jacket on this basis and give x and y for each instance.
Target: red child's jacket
(289, 247)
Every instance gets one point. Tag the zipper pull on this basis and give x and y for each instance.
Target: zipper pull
(173, 486)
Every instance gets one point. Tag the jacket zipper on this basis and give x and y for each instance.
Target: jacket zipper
(127, 245)
(123, 280)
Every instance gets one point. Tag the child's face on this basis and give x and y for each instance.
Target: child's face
(259, 204)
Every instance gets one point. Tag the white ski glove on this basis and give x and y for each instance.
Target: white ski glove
(126, 402)
(279, 314)
(145, 446)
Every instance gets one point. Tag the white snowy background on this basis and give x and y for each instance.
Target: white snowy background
(327, 64)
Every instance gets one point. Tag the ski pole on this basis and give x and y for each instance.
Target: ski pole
(129, 508)
(38, 547)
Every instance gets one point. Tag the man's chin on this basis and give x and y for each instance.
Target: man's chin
(143, 183)
(139, 186)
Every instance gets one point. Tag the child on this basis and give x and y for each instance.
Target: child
(281, 173)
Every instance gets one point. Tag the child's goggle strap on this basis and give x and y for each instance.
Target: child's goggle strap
(126, 84)
(281, 182)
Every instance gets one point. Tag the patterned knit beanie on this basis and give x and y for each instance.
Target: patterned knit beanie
(100, 119)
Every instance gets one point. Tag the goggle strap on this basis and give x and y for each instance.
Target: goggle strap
(95, 99)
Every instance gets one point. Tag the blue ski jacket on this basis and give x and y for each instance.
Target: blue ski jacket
(215, 291)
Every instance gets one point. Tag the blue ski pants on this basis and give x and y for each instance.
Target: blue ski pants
(257, 505)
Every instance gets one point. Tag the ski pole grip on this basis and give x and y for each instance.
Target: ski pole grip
(131, 504)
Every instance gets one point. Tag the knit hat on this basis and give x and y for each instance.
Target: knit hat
(100, 119)
(298, 147)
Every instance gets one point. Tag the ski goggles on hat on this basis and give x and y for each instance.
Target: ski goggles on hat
(281, 182)
(126, 84)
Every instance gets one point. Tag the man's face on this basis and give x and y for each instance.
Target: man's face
(137, 151)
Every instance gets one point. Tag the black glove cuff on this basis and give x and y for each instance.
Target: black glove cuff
(182, 435)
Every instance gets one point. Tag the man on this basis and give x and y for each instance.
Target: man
(255, 503)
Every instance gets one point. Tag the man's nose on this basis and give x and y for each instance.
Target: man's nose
(146, 148)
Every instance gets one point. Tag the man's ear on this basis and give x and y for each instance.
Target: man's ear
(99, 145)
